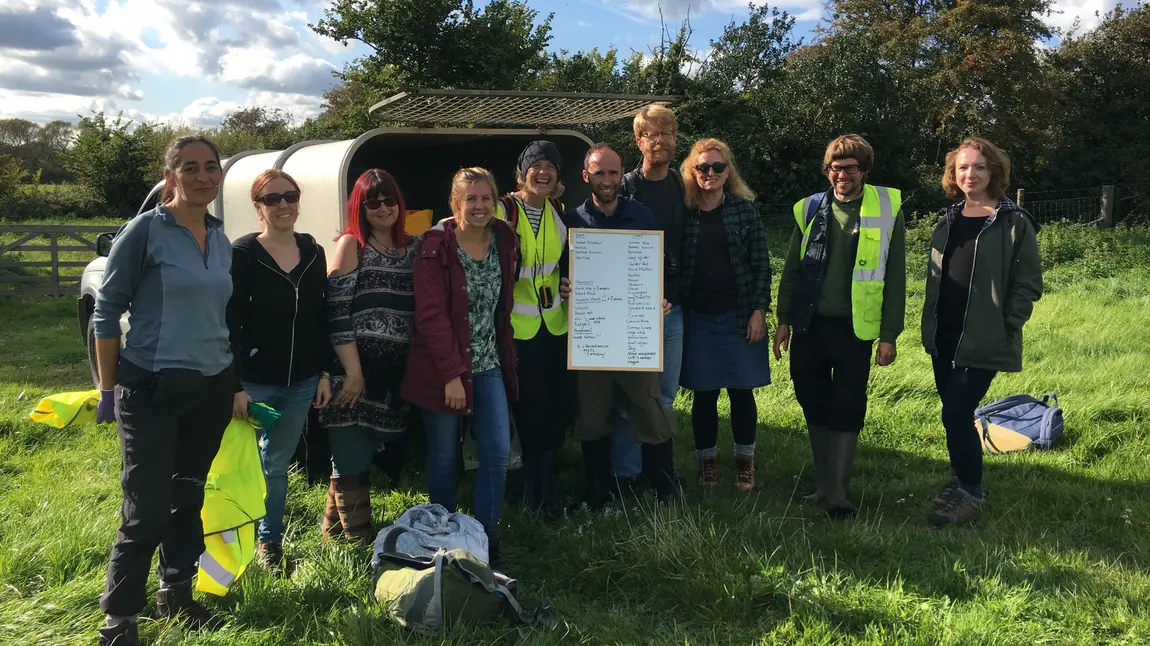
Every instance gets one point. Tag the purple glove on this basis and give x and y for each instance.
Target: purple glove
(106, 409)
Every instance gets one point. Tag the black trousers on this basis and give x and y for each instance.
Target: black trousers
(170, 430)
(830, 367)
(547, 402)
(961, 390)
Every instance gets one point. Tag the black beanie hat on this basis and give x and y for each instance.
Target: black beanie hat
(539, 149)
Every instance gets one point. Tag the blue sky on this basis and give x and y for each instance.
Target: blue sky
(194, 61)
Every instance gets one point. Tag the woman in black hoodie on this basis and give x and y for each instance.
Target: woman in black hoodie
(277, 319)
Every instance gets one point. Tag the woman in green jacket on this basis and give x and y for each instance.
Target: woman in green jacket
(984, 278)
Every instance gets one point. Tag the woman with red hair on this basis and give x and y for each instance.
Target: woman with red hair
(371, 311)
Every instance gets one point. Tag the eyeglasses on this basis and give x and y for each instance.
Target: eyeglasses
(657, 135)
(389, 200)
(272, 199)
(853, 169)
(718, 167)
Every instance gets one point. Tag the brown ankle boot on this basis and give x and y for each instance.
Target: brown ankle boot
(331, 526)
(353, 500)
(744, 472)
(707, 472)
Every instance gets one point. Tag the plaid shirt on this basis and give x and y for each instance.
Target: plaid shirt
(747, 245)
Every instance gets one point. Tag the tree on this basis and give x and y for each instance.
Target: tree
(117, 165)
(1102, 125)
(437, 44)
(254, 128)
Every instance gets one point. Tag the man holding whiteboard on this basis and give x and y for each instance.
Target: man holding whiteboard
(652, 425)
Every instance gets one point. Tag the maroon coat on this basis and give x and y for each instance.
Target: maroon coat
(441, 345)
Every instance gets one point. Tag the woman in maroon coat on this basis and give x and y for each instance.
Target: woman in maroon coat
(462, 359)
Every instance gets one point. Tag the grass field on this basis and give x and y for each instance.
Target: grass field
(1060, 557)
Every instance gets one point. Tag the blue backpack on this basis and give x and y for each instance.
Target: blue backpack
(1019, 422)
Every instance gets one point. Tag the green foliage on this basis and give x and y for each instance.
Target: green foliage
(116, 164)
(12, 176)
(37, 148)
(443, 43)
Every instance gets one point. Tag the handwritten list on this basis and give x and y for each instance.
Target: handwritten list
(616, 300)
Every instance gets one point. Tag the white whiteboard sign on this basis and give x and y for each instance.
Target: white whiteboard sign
(615, 315)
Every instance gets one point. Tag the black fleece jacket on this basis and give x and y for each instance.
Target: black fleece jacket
(277, 321)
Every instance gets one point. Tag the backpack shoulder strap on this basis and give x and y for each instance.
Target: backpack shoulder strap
(510, 210)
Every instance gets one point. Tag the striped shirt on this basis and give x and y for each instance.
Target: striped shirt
(534, 216)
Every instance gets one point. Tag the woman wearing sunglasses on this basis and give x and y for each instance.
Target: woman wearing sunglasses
(277, 321)
(371, 312)
(726, 279)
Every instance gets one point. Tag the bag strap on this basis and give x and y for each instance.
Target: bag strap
(986, 441)
(1048, 397)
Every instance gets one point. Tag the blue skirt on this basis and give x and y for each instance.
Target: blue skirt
(716, 353)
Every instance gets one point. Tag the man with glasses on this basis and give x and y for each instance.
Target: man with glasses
(843, 286)
(657, 185)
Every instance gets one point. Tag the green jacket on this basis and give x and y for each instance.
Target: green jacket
(1006, 283)
(747, 245)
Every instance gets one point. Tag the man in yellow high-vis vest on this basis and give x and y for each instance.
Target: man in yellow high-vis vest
(843, 287)
(546, 406)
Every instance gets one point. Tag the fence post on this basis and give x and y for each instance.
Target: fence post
(55, 265)
(1107, 215)
(1018, 197)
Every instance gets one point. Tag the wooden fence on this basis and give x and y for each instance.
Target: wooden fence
(28, 266)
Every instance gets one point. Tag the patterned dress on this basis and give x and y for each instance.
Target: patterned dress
(374, 307)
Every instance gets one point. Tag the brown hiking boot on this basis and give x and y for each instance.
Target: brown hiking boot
(707, 475)
(961, 508)
(744, 472)
(353, 501)
(271, 556)
(945, 494)
(331, 527)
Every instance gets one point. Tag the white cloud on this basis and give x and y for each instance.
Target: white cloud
(260, 68)
(63, 57)
(1088, 12)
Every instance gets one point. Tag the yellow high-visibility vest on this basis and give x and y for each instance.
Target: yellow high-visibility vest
(540, 267)
(880, 206)
(233, 502)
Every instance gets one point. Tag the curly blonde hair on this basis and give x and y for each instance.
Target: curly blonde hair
(996, 160)
(734, 184)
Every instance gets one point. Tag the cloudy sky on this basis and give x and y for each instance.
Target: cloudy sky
(183, 60)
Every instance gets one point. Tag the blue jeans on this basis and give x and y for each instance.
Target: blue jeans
(626, 454)
(491, 427)
(279, 445)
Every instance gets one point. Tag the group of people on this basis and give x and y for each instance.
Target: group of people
(467, 322)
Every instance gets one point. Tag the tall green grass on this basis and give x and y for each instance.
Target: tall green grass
(1060, 556)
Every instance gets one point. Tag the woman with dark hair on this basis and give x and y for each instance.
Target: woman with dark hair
(463, 353)
(278, 323)
(371, 310)
(169, 389)
(984, 277)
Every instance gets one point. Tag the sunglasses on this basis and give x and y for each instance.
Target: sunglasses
(272, 199)
(372, 205)
(718, 167)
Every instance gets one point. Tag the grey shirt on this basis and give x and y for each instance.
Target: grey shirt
(175, 294)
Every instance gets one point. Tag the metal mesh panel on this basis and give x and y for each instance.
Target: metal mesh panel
(508, 108)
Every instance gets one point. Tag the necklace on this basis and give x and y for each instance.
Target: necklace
(380, 245)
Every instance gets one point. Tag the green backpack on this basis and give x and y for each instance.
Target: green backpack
(430, 594)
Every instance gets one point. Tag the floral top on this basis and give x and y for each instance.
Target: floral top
(484, 279)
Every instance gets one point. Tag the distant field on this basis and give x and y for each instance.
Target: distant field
(1061, 557)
